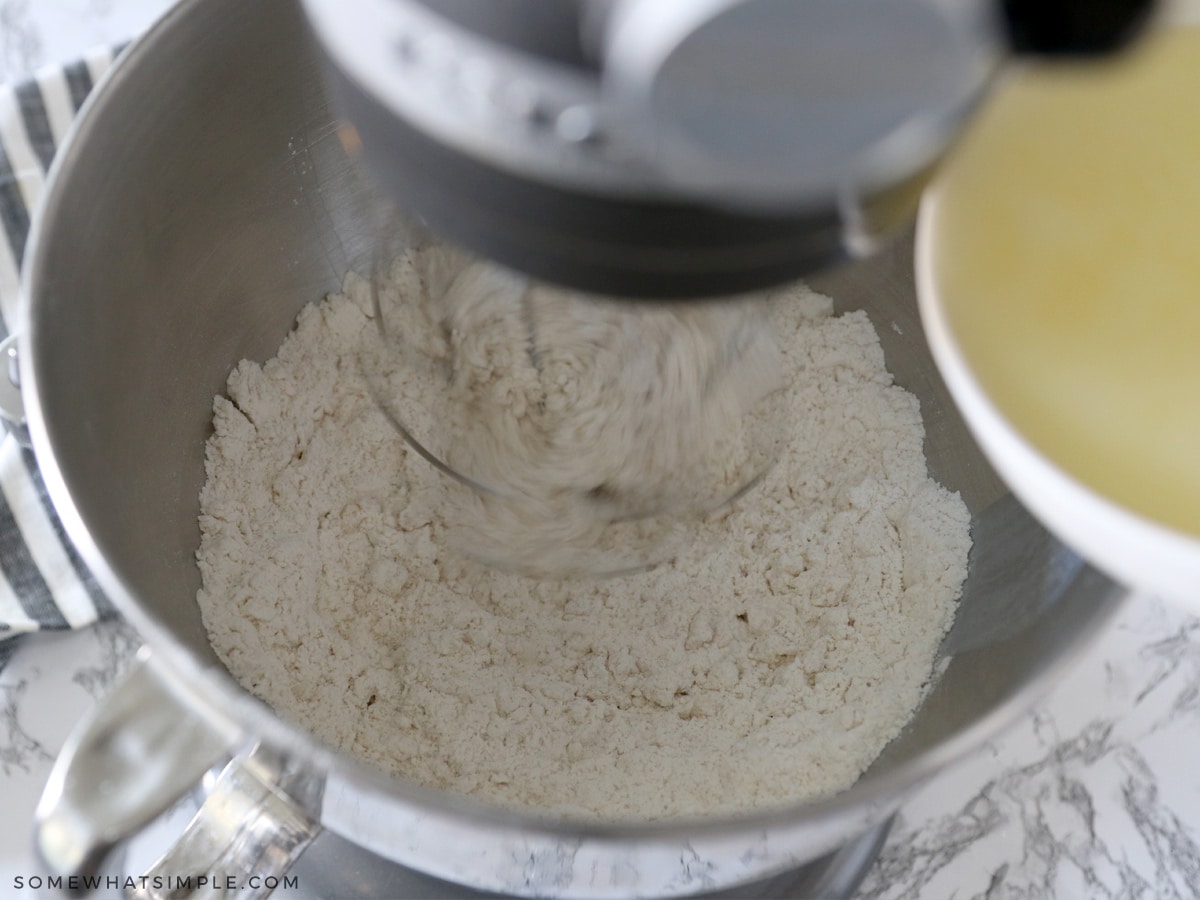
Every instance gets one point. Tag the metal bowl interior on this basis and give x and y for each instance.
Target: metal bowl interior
(203, 198)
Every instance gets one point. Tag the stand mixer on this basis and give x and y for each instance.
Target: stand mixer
(215, 141)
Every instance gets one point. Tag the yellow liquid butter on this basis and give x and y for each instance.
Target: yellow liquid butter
(1067, 255)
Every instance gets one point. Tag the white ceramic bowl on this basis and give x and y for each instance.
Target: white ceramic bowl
(1125, 545)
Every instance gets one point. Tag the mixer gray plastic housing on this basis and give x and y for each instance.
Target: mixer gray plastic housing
(676, 148)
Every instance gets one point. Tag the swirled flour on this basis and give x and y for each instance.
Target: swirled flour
(771, 665)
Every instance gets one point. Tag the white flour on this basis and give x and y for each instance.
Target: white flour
(769, 666)
(595, 426)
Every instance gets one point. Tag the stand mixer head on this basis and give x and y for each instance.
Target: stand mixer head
(677, 148)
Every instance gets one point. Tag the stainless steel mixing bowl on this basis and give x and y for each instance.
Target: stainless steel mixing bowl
(203, 198)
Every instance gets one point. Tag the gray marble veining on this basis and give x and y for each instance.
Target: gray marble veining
(19, 750)
(1093, 796)
(1057, 815)
(26, 743)
(117, 643)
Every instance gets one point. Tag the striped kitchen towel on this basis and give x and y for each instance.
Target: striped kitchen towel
(44, 585)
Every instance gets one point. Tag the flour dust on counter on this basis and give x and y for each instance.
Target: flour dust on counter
(768, 665)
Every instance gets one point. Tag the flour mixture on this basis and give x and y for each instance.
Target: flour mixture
(768, 666)
(588, 429)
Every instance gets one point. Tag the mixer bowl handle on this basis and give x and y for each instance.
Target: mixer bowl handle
(131, 759)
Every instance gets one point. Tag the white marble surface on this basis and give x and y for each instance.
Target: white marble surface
(1093, 795)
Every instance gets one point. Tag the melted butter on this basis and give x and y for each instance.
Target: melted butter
(1067, 254)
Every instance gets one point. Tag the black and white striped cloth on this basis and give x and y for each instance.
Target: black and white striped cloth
(44, 585)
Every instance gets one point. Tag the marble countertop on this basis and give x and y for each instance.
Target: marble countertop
(1094, 794)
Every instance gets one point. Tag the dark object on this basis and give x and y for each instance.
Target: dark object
(1073, 27)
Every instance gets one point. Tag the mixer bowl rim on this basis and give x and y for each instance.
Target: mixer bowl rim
(224, 699)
